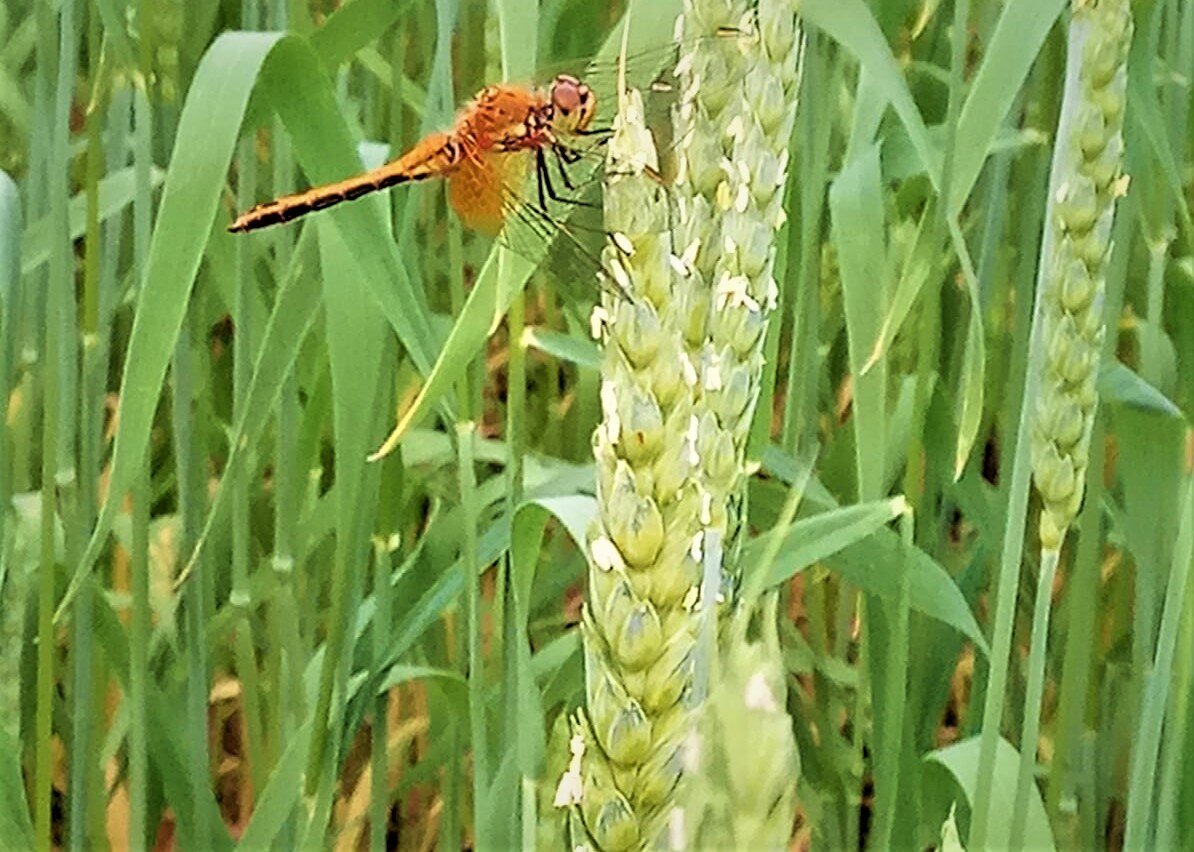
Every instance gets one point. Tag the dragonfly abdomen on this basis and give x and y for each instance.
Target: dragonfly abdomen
(434, 156)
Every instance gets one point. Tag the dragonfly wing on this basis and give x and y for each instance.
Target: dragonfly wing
(564, 237)
(560, 246)
(648, 68)
(652, 70)
(556, 227)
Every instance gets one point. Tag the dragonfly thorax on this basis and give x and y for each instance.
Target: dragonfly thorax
(572, 104)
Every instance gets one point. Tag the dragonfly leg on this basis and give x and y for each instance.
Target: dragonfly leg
(544, 180)
(569, 155)
(564, 156)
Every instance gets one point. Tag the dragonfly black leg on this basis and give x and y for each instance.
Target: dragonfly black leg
(542, 180)
(568, 155)
(562, 154)
(545, 181)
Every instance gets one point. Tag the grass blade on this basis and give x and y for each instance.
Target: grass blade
(1007, 59)
(208, 129)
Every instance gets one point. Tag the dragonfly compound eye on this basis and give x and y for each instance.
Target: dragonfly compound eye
(573, 104)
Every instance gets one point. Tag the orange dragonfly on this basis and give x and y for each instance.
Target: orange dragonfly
(479, 157)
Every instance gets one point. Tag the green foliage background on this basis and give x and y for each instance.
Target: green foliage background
(221, 624)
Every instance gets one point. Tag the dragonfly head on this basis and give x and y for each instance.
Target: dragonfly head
(573, 104)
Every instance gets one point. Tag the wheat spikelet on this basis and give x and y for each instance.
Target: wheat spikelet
(738, 105)
(745, 762)
(682, 356)
(644, 553)
(1087, 180)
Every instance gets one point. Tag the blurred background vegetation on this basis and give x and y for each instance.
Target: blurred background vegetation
(220, 626)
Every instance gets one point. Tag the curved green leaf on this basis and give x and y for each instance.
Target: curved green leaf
(858, 228)
(961, 760)
(293, 312)
(575, 512)
(1119, 384)
(354, 25)
(207, 132)
(565, 347)
(1007, 59)
(872, 563)
(851, 24)
(813, 539)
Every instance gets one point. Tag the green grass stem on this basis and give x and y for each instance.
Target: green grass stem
(139, 673)
(86, 794)
(1006, 582)
(478, 736)
(379, 793)
(1141, 818)
(57, 370)
(1030, 732)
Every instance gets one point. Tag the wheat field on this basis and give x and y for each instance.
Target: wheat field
(835, 491)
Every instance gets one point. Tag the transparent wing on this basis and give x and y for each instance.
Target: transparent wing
(651, 70)
(543, 204)
(556, 228)
(563, 236)
(647, 69)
